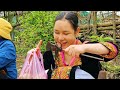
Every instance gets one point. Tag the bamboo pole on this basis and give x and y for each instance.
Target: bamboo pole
(107, 28)
(107, 24)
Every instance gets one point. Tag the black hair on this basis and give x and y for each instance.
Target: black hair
(0, 37)
(70, 16)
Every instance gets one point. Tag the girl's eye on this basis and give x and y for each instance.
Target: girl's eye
(56, 32)
(66, 33)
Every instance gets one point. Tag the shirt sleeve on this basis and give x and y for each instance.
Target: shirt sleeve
(113, 50)
(7, 53)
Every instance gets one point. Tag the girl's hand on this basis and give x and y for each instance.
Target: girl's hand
(75, 50)
(39, 44)
(37, 47)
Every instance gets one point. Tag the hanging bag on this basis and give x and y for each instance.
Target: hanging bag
(33, 67)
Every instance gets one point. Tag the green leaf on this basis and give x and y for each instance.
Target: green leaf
(108, 39)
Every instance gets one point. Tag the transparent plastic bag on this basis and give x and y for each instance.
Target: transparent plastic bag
(33, 67)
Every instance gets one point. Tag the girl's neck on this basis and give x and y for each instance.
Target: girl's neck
(67, 58)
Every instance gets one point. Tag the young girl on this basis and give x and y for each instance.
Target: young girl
(73, 61)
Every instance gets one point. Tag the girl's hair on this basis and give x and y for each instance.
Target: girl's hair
(70, 16)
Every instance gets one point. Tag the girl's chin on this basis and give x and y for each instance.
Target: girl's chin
(64, 47)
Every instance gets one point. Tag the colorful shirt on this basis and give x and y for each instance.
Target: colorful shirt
(88, 64)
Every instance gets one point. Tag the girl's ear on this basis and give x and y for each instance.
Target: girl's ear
(77, 32)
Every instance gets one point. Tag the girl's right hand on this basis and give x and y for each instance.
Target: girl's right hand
(39, 44)
(37, 47)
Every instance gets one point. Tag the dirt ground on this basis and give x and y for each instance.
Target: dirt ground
(20, 62)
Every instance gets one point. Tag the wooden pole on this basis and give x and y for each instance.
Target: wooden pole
(114, 27)
(95, 22)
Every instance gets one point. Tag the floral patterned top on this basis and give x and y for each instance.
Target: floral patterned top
(63, 71)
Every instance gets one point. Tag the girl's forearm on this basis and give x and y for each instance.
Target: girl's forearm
(96, 49)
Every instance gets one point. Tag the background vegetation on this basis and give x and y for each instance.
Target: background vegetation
(35, 26)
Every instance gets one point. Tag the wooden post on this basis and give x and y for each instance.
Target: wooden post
(88, 18)
(95, 22)
(114, 32)
(114, 27)
(10, 17)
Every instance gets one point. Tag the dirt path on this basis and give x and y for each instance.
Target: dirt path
(20, 62)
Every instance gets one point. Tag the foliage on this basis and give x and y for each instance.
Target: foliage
(110, 67)
(100, 38)
(36, 25)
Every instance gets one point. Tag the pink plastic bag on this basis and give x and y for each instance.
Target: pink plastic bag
(33, 67)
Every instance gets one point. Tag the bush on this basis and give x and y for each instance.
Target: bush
(36, 25)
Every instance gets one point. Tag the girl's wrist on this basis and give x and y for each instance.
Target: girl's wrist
(85, 47)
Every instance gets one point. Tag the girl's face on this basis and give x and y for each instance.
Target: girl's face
(64, 34)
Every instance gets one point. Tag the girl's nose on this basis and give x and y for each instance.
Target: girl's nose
(61, 37)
